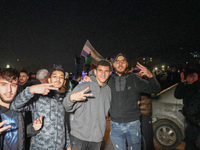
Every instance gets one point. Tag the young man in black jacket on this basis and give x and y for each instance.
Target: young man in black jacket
(13, 138)
(124, 111)
(189, 90)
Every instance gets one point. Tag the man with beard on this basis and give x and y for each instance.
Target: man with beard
(124, 111)
(23, 80)
(54, 134)
(12, 138)
(23, 83)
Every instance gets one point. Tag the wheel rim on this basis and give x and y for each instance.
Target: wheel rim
(166, 135)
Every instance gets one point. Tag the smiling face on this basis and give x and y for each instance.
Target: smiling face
(120, 65)
(57, 77)
(8, 91)
(102, 73)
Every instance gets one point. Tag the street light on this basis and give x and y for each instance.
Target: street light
(163, 68)
(7, 66)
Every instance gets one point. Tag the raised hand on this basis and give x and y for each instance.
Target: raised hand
(3, 128)
(80, 96)
(42, 88)
(37, 124)
(196, 78)
(182, 77)
(144, 71)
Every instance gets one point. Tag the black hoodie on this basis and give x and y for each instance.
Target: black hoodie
(125, 91)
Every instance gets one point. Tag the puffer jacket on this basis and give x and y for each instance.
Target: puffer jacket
(53, 135)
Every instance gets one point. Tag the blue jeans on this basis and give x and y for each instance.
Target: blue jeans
(120, 132)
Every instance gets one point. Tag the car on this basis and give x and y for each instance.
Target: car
(168, 121)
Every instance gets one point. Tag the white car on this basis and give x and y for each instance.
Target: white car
(168, 121)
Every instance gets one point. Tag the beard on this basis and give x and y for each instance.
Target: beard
(121, 71)
(6, 101)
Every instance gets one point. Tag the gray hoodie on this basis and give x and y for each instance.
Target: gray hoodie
(90, 115)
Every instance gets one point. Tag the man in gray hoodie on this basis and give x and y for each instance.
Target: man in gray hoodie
(88, 126)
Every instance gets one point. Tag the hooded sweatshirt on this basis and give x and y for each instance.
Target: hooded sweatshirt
(126, 90)
(89, 122)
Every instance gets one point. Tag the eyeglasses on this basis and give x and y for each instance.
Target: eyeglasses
(120, 61)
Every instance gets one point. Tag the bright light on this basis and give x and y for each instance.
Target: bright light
(156, 68)
(7, 66)
(163, 66)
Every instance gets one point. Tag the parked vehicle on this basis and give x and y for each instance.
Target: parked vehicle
(168, 121)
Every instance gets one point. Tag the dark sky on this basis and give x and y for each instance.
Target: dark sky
(42, 33)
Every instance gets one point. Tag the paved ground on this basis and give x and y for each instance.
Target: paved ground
(107, 144)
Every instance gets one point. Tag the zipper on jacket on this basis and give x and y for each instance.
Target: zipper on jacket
(120, 112)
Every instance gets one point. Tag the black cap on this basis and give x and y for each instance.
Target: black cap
(120, 54)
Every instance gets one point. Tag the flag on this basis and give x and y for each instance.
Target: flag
(89, 49)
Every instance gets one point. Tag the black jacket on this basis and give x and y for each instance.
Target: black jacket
(125, 92)
(187, 92)
(21, 129)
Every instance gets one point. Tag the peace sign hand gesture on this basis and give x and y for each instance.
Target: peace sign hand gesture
(37, 124)
(42, 88)
(144, 71)
(80, 96)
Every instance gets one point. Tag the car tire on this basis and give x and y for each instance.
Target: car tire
(167, 134)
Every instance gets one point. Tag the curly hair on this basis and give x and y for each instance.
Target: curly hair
(9, 74)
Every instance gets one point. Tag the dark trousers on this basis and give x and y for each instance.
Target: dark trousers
(191, 133)
(147, 131)
(78, 144)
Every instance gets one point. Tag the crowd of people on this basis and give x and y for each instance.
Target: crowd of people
(51, 110)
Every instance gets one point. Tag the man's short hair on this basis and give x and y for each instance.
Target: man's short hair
(24, 71)
(41, 74)
(56, 68)
(104, 63)
(9, 74)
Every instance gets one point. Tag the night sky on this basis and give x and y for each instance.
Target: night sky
(42, 33)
